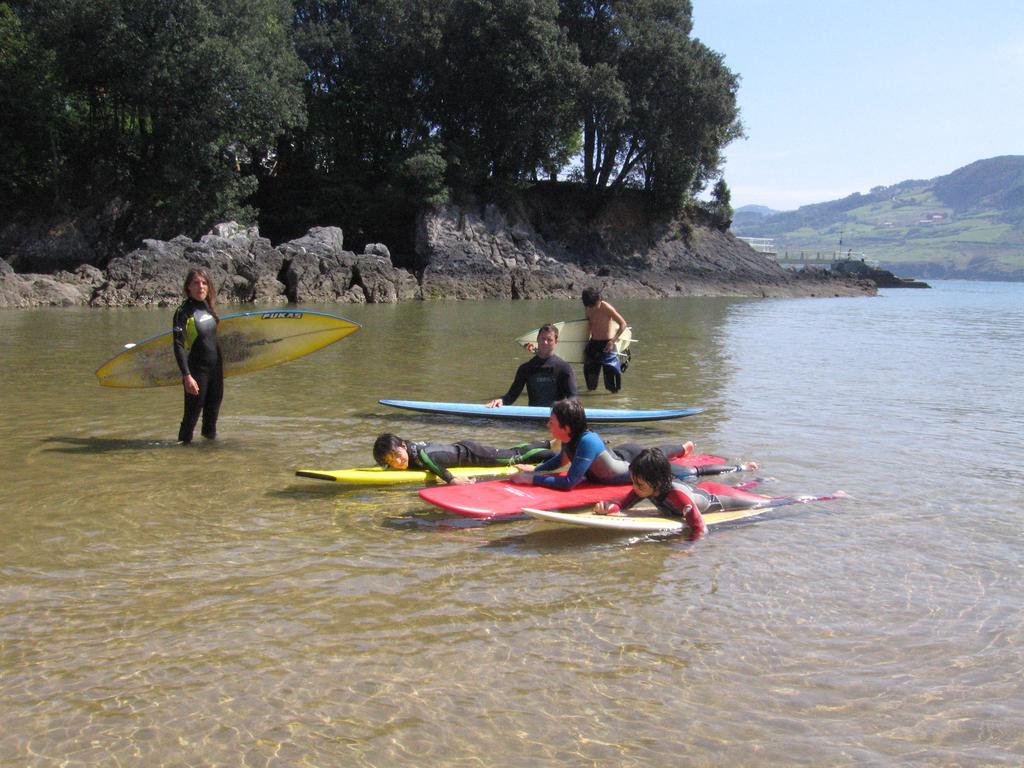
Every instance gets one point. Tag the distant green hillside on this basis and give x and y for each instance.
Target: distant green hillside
(969, 223)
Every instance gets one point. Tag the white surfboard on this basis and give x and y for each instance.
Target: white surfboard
(608, 522)
(572, 339)
(636, 523)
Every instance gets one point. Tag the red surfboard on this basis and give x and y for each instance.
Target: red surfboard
(503, 498)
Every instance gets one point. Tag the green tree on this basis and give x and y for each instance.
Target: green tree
(656, 107)
(719, 207)
(411, 99)
(366, 158)
(694, 117)
(30, 132)
(503, 79)
(171, 105)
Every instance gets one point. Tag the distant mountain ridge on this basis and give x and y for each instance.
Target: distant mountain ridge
(966, 224)
(757, 210)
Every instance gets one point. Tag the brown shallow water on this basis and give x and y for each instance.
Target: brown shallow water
(162, 605)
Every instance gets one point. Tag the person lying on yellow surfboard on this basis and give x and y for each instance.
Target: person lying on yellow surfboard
(391, 451)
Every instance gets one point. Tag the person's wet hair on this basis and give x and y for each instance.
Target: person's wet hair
(570, 414)
(651, 466)
(211, 289)
(385, 445)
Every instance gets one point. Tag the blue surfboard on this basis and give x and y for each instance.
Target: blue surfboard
(536, 413)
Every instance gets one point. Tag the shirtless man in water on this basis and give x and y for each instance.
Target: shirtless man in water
(600, 350)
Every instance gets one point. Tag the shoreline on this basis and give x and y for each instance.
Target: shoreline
(462, 256)
(84, 288)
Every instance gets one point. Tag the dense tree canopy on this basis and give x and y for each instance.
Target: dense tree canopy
(503, 81)
(657, 106)
(33, 123)
(351, 112)
(164, 105)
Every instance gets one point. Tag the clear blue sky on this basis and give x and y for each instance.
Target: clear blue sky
(841, 96)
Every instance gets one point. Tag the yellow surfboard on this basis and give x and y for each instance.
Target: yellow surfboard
(381, 476)
(572, 339)
(249, 342)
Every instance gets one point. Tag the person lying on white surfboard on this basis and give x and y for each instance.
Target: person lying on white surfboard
(653, 479)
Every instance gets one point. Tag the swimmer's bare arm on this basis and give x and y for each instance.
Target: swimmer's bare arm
(613, 314)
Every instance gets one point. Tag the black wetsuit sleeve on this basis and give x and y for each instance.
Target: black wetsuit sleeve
(717, 469)
(684, 471)
(178, 340)
(522, 373)
(437, 458)
(567, 383)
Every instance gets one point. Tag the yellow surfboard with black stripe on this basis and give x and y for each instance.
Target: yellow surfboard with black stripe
(381, 476)
(249, 342)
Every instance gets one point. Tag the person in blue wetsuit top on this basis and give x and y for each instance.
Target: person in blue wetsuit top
(546, 376)
(590, 459)
(198, 355)
(392, 452)
(652, 476)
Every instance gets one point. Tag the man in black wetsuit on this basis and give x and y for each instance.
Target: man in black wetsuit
(546, 376)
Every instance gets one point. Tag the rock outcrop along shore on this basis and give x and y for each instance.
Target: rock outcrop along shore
(460, 254)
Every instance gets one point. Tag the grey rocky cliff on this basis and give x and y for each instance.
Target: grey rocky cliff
(61, 289)
(461, 253)
(479, 254)
(245, 267)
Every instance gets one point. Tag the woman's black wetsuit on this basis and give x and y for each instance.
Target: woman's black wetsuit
(197, 353)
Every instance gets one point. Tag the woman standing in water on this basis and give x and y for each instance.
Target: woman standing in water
(198, 355)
